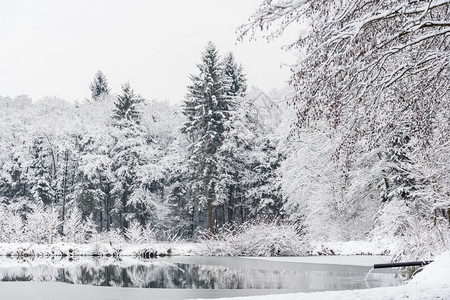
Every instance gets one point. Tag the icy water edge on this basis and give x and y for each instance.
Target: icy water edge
(181, 277)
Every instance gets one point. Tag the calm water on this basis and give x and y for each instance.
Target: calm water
(195, 273)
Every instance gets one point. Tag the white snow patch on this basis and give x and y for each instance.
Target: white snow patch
(357, 248)
(359, 260)
(101, 249)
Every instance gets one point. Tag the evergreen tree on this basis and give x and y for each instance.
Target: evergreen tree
(41, 180)
(93, 182)
(207, 108)
(128, 151)
(231, 155)
(14, 173)
(264, 190)
(400, 182)
(99, 87)
(234, 73)
(259, 117)
(235, 166)
(127, 107)
(399, 206)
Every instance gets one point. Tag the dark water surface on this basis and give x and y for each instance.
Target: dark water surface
(195, 273)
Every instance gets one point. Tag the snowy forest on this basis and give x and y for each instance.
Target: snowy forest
(355, 148)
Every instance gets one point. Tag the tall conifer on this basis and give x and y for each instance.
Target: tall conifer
(207, 108)
(99, 87)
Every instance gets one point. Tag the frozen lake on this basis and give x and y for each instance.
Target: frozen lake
(184, 277)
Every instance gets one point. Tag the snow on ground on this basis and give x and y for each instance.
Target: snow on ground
(176, 248)
(432, 283)
(360, 260)
(356, 248)
(102, 249)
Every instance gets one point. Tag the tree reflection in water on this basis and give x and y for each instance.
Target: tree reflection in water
(154, 273)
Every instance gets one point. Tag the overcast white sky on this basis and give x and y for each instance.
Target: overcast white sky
(54, 47)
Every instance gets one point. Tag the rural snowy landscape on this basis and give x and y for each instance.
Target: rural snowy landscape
(236, 178)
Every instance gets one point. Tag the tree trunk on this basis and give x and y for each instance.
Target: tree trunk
(66, 167)
(242, 213)
(230, 204)
(448, 215)
(106, 202)
(193, 225)
(124, 208)
(224, 214)
(386, 182)
(53, 173)
(210, 212)
(101, 221)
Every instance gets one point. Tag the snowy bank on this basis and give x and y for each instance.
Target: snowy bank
(185, 249)
(349, 260)
(96, 249)
(433, 282)
(354, 248)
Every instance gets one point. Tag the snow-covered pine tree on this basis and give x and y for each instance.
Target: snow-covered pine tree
(264, 190)
(400, 207)
(16, 137)
(127, 107)
(237, 83)
(99, 87)
(237, 138)
(94, 181)
(14, 181)
(179, 198)
(128, 151)
(93, 184)
(41, 178)
(207, 108)
(401, 184)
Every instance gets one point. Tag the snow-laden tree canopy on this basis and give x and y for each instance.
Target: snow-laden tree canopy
(375, 75)
(366, 56)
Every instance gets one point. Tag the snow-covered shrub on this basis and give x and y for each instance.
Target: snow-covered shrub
(42, 224)
(261, 238)
(414, 237)
(134, 233)
(148, 233)
(113, 236)
(171, 236)
(423, 240)
(390, 223)
(11, 226)
(75, 228)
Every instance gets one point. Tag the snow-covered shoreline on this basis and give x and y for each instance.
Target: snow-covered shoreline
(96, 249)
(176, 249)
